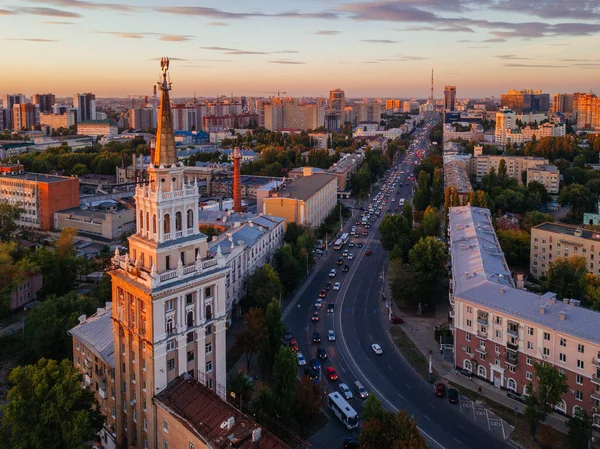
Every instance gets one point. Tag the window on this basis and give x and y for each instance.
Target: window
(170, 305)
(468, 337)
(579, 379)
(167, 224)
(190, 337)
(182, 257)
(178, 221)
(171, 364)
(530, 331)
(190, 319)
(167, 262)
(546, 336)
(191, 446)
(190, 356)
(469, 309)
(165, 425)
(208, 312)
(530, 345)
(208, 348)
(469, 323)
(578, 395)
(190, 219)
(498, 320)
(580, 364)
(170, 327)
(563, 342)
(209, 329)
(77, 344)
(511, 369)
(145, 424)
(546, 352)
(511, 385)
(165, 444)
(498, 333)
(208, 292)
(580, 349)
(189, 299)
(497, 349)
(209, 367)
(528, 375)
(562, 357)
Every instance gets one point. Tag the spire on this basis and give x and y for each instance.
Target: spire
(431, 93)
(165, 153)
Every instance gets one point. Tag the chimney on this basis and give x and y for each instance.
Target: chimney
(237, 181)
(307, 171)
(563, 314)
(542, 309)
(520, 281)
(82, 319)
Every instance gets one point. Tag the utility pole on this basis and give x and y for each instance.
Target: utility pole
(341, 220)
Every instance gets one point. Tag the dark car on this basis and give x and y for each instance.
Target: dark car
(287, 336)
(316, 337)
(452, 395)
(330, 308)
(340, 261)
(365, 233)
(351, 443)
(315, 364)
(397, 320)
(322, 353)
(440, 390)
(368, 252)
(345, 268)
(328, 286)
(315, 315)
(359, 245)
(312, 374)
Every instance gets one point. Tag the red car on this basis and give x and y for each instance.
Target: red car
(368, 253)
(331, 374)
(440, 390)
(322, 293)
(397, 320)
(294, 345)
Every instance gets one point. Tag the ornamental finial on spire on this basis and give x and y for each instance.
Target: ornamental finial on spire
(164, 64)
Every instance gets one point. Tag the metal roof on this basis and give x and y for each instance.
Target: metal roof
(96, 333)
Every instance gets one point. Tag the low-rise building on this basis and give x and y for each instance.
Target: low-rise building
(501, 331)
(26, 291)
(548, 175)
(307, 201)
(481, 165)
(98, 128)
(54, 121)
(249, 184)
(321, 140)
(344, 169)
(456, 175)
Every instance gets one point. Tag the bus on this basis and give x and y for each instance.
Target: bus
(345, 236)
(338, 244)
(344, 412)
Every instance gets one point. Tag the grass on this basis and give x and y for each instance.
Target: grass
(547, 437)
(411, 353)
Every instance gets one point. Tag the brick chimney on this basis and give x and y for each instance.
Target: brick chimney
(237, 181)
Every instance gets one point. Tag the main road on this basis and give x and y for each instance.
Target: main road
(359, 320)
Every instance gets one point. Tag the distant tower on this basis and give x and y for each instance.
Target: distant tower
(450, 98)
(237, 182)
(431, 92)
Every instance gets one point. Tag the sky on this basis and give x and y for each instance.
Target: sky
(300, 47)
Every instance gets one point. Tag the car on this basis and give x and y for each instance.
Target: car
(312, 374)
(350, 256)
(328, 286)
(337, 286)
(330, 308)
(365, 233)
(301, 359)
(345, 268)
(332, 273)
(440, 390)
(345, 253)
(452, 395)
(351, 443)
(330, 335)
(353, 228)
(466, 372)
(316, 337)
(368, 252)
(319, 303)
(322, 353)
(361, 390)
(294, 345)
(377, 349)
(346, 392)
(351, 245)
(340, 261)
(287, 336)
(315, 316)
(322, 293)
(331, 374)
(359, 245)
(315, 364)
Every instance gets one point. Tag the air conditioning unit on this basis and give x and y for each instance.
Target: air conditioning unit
(594, 409)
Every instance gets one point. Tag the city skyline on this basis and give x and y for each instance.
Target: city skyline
(374, 49)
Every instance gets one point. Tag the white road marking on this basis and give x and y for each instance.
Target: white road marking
(432, 406)
(408, 386)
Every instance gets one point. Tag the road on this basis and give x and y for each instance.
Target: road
(360, 319)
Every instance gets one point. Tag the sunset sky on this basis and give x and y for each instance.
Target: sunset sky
(366, 48)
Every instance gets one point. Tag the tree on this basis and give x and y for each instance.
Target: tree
(407, 212)
(241, 386)
(592, 291)
(402, 283)
(79, 170)
(437, 188)
(392, 431)
(9, 215)
(308, 402)
(48, 409)
(263, 286)
(566, 277)
(431, 222)
(251, 338)
(293, 231)
(289, 268)
(274, 334)
(543, 395)
(427, 258)
(580, 429)
(210, 231)
(515, 245)
(372, 409)
(422, 195)
(395, 232)
(534, 217)
(285, 372)
(579, 197)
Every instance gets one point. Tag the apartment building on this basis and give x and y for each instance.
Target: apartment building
(93, 356)
(552, 241)
(26, 291)
(344, 169)
(548, 175)
(25, 116)
(525, 101)
(450, 98)
(481, 165)
(501, 331)
(456, 176)
(85, 105)
(308, 200)
(55, 121)
(39, 195)
(98, 128)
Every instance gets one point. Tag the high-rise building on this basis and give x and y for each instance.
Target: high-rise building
(85, 104)
(337, 100)
(45, 102)
(562, 103)
(141, 118)
(168, 294)
(450, 98)
(587, 107)
(505, 119)
(25, 116)
(526, 101)
(8, 101)
(237, 181)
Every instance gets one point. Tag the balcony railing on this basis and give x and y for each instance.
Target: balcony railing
(483, 335)
(513, 332)
(512, 346)
(596, 361)
(596, 379)
(513, 361)
(481, 350)
(483, 320)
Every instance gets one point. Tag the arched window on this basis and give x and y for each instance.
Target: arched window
(167, 224)
(575, 408)
(154, 223)
(178, 221)
(481, 371)
(190, 319)
(561, 406)
(190, 219)
(511, 384)
(467, 364)
(208, 312)
(141, 222)
(170, 327)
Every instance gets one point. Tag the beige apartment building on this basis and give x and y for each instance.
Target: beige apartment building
(552, 241)
(344, 169)
(501, 330)
(307, 200)
(547, 175)
(481, 165)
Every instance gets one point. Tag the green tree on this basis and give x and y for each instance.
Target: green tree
(79, 170)
(263, 286)
(566, 277)
(502, 175)
(392, 431)
(48, 409)
(427, 258)
(9, 215)
(210, 231)
(579, 198)
(437, 188)
(431, 222)
(308, 402)
(250, 340)
(422, 195)
(289, 268)
(543, 395)
(241, 386)
(592, 291)
(274, 333)
(293, 231)
(580, 429)
(407, 212)
(515, 245)
(534, 217)
(395, 232)
(372, 409)
(402, 283)
(285, 372)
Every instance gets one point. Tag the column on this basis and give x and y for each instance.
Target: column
(181, 354)
(220, 352)
(201, 359)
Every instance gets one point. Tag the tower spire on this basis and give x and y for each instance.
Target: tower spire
(165, 153)
(431, 93)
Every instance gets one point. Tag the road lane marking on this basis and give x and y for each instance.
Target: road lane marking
(408, 385)
(425, 416)
(462, 428)
(432, 406)
(458, 441)
(402, 397)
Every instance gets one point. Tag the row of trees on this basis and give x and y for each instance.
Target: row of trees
(569, 278)
(373, 167)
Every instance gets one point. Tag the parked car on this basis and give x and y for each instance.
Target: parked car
(397, 320)
(452, 395)
(331, 374)
(440, 390)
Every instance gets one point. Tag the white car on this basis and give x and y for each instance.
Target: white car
(337, 286)
(301, 359)
(350, 256)
(319, 303)
(346, 392)
(377, 349)
(331, 335)
(332, 273)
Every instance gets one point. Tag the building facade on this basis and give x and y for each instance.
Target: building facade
(26, 292)
(106, 222)
(501, 331)
(481, 165)
(525, 101)
(85, 104)
(25, 116)
(547, 175)
(97, 128)
(55, 121)
(45, 102)
(450, 98)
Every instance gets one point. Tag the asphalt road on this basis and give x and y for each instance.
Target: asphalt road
(360, 319)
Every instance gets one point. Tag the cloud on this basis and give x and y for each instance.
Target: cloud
(552, 9)
(245, 52)
(218, 24)
(447, 29)
(55, 22)
(480, 46)
(535, 66)
(388, 11)
(6, 12)
(220, 14)
(285, 52)
(49, 12)
(495, 39)
(170, 59)
(176, 37)
(511, 57)
(89, 5)
(124, 35)
(379, 41)
(286, 61)
(30, 39)
(219, 48)
(327, 32)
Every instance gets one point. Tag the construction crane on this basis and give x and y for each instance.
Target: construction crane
(133, 98)
(278, 92)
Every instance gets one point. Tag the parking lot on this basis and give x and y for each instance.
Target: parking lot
(485, 418)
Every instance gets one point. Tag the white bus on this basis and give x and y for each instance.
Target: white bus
(338, 244)
(342, 410)
(401, 202)
(345, 236)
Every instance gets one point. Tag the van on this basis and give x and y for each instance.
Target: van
(360, 390)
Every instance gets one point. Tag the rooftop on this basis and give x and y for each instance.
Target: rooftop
(305, 187)
(206, 415)
(246, 234)
(456, 175)
(39, 177)
(545, 167)
(98, 122)
(574, 231)
(96, 333)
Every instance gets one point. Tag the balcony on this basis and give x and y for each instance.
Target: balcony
(101, 392)
(596, 362)
(512, 331)
(512, 346)
(482, 320)
(596, 379)
(511, 359)
(481, 350)
(482, 335)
